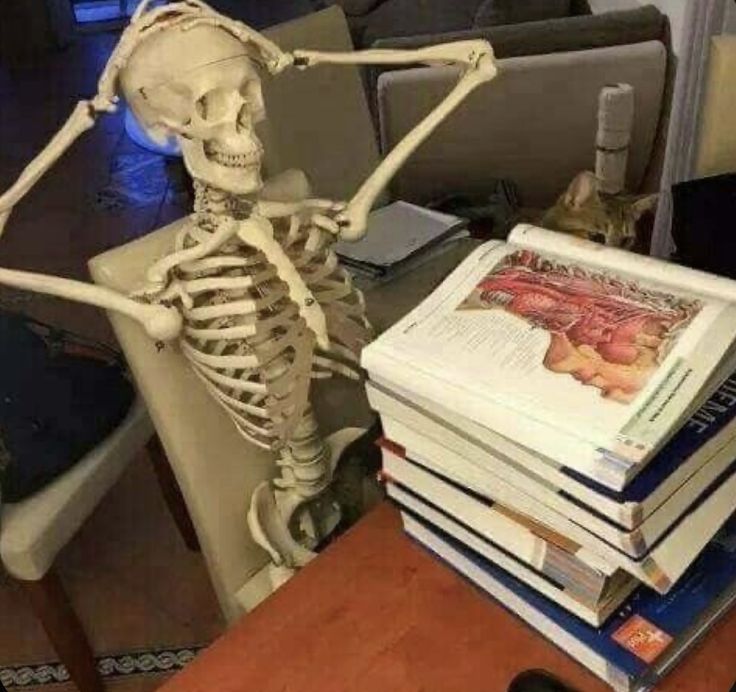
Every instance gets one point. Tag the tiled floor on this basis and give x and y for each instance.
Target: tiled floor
(128, 574)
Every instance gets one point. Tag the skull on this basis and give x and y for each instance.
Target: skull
(202, 86)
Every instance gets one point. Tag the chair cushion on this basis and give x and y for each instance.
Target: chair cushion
(494, 134)
(60, 396)
(32, 532)
(498, 12)
(318, 120)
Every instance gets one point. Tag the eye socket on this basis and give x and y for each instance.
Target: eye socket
(201, 107)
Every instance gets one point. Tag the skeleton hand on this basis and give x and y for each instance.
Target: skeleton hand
(321, 215)
(353, 221)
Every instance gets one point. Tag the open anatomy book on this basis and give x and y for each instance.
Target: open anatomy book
(590, 356)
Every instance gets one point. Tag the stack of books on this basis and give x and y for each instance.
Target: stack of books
(560, 427)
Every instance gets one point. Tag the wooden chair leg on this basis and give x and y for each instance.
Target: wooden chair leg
(172, 493)
(52, 607)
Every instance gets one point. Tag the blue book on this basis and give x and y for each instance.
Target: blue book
(642, 640)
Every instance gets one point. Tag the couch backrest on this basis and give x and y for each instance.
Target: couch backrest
(580, 32)
(318, 119)
(535, 124)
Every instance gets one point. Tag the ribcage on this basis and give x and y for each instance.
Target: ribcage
(244, 335)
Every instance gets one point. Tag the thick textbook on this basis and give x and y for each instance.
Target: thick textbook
(465, 468)
(560, 590)
(594, 357)
(636, 646)
(560, 559)
(668, 485)
(659, 568)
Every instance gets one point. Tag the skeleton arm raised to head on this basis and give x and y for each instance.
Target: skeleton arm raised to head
(478, 66)
(475, 57)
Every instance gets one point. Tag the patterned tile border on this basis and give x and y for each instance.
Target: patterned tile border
(127, 664)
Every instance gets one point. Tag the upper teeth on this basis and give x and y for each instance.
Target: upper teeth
(234, 160)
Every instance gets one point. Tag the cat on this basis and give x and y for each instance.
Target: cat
(583, 211)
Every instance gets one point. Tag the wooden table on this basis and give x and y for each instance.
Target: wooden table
(376, 613)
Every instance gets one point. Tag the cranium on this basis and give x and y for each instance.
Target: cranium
(201, 85)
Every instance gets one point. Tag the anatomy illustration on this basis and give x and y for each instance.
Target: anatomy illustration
(251, 293)
(605, 332)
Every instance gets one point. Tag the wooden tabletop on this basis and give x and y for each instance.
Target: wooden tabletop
(376, 613)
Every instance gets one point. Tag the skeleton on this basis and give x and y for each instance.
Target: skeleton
(252, 293)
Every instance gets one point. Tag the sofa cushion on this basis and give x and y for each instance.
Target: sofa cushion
(553, 36)
(497, 12)
(357, 8)
(535, 124)
(409, 17)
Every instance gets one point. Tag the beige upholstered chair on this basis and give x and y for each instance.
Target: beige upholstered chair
(332, 138)
(34, 531)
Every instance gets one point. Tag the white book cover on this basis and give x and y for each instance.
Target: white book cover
(452, 455)
(594, 614)
(549, 347)
(535, 544)
(667, 482)
(659, 569)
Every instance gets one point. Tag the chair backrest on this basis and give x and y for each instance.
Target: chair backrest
(535, 124)
(317, 120)
(215, 467)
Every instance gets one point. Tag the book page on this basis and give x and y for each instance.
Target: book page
(600, 355)
(650, 269)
